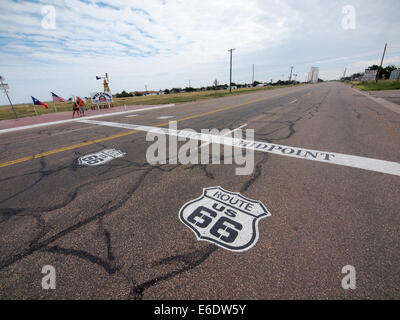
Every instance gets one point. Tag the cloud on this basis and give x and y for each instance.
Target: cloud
(164, 43)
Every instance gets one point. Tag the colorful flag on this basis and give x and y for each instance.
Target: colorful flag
(57, 98)
(38, 103)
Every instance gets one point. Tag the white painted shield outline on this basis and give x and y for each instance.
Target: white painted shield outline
(108, 152)
(245, 247)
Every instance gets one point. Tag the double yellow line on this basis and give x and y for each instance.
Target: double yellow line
(83, 144)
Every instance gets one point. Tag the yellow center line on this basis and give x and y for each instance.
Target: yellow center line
(84, 144)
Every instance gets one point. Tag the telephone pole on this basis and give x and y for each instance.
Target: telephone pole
(291, 72)
(344, 73)
(380, 67)
(230, 73)
(252, 82)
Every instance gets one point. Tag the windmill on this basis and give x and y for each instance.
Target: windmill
(105, 82)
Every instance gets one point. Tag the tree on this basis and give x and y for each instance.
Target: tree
(123, 94)
(388, 70)
(384, 72)
(166, 91)
(189, 89)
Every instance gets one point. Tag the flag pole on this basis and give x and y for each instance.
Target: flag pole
(54, 105)
(5, 91)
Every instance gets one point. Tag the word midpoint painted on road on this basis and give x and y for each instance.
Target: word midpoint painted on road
(371, 164)
(224, 218)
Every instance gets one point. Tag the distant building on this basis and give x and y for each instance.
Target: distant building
(147, 93)
(313, 75)
(395, 74)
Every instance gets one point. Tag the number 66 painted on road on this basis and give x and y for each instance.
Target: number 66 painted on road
(202, 217)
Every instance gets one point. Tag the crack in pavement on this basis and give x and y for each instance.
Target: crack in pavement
(106, 265)
(256, 173)
(190, 260)
(40, 245)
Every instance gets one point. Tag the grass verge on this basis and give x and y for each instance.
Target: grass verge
(27, 110)
(373, 86)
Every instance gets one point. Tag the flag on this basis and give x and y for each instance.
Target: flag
(98, 78)
(57, 98)
(38, 103)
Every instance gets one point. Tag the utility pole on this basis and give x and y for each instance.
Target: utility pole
(380, 67)
(252, 82)
(189, 84)
(4, 87)
(344, 73)
(230, 73)
(291, 71)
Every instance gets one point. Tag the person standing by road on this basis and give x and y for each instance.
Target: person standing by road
(81, 105)
(75, 108)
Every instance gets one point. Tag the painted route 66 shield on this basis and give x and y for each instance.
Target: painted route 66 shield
(225, 218)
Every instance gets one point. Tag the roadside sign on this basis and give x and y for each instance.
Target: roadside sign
(369, 75)
(101, 97)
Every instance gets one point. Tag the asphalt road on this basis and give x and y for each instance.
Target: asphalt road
(112, 231)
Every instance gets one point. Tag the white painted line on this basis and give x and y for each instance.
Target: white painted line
(292, 101)
(225, 134)
(78, 119)
(132, 115)
(370, 164)
(165, 117)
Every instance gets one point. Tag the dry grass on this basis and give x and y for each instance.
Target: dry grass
(27, 110)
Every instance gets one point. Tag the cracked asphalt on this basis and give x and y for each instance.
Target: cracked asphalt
(112, 231)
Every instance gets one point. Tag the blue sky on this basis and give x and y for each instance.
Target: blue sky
(166, 43)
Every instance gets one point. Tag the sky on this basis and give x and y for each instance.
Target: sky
(167, 43)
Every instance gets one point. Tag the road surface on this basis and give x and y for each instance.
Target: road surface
(113, 231)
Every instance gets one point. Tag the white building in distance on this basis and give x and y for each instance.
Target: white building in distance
(313, 75)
